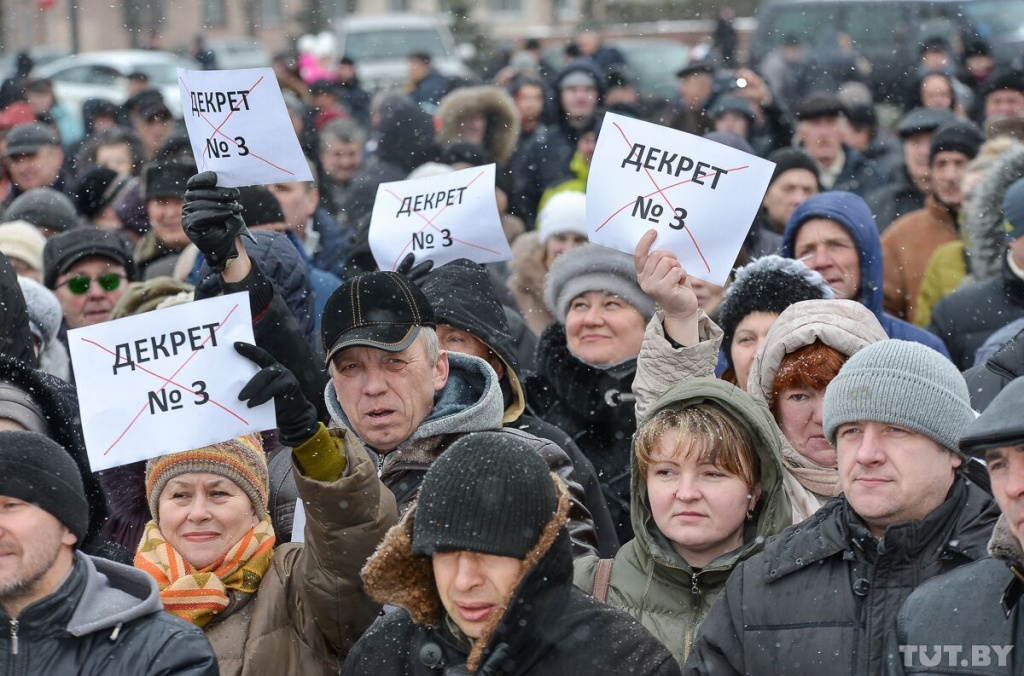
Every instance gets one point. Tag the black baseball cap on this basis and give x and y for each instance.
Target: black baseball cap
(375, 309)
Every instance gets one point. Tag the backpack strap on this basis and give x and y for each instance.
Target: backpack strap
(602, 579)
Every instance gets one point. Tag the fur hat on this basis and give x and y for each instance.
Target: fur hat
(900, 383)
(593, 267)
(44, 312)
(240, 459)
(768, 284)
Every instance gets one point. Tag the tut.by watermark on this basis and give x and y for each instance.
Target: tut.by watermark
(955, 655)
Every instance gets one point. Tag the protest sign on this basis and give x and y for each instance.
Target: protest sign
(165, 381)
(238, 126)
(701, 196)
(438, 218)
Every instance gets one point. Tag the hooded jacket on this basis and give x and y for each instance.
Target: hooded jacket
(545, 160)
(496, 107)
(15, 334)
(470, 401)
(850, 212)
(824, 594)
(649, 580)
(985, 381)
(462, 295)
(104, 618)
(842, 324)
(549, 626)
(594, 407)
(967, 317)
(977, 607)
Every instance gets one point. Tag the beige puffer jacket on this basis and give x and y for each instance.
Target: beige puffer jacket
(844, 325)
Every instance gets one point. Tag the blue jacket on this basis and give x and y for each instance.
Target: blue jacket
(335, 243)
(852, 213)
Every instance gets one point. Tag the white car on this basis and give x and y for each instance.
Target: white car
(102, 75)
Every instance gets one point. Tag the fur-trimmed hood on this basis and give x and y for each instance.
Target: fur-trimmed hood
(393, 575)
(496, 106)
(986, 240)
(1003, 545)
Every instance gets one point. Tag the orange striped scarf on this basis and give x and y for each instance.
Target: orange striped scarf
(199, 595)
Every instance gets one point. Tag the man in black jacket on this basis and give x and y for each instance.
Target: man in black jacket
(971, 621)
(822, 597)
(482, 573)
(67, 612)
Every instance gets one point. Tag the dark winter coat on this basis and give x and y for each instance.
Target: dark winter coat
(355, 99)
(550, 627)
(595, 408)
(649, 580)
(823, 595)
(859, 175)
(975, 605)
(15, 334)
(898, 198)
(59, 404)
(429, 91)
(334, 245)
(545, 159)
(470, 401)
(105, 618)
(404, 141)
(853, 215)
(985, 381)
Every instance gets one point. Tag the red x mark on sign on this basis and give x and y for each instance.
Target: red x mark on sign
(217, 132)
(429, 223)
(660, 190)
(168, 381)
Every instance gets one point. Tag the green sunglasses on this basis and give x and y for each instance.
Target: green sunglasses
(79, 285)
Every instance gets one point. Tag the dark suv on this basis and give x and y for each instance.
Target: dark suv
(889, 32)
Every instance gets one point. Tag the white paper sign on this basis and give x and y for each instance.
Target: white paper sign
(438, 218)
(239, 126)
(701, 196)
(299, 522)
(165, 381)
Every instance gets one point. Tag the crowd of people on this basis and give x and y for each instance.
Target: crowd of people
(579, 460)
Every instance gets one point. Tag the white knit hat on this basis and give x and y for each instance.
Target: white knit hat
(22, 240)
(564, 212)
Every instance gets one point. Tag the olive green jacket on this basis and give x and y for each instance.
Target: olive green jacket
(653, 583)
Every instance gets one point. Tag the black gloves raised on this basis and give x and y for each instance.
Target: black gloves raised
(296, 417)
(212, 219)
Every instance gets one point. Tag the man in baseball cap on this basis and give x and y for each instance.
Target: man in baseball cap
(33, 158)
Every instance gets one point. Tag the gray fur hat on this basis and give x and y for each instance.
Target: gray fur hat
(44, 313)
(900, 383)
(593, 267)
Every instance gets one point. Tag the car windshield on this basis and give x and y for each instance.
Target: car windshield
(992, 18)
(393, 44)
(160, 74)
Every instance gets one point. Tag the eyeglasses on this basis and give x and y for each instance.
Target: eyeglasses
(80, 284)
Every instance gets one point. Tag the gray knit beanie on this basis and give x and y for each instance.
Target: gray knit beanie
(900, 383)
(593, 267)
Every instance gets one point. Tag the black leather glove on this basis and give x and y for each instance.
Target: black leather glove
(417, 275)
(212, 219)
(296, 417)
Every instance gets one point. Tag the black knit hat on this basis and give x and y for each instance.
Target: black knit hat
(259, 206)
(34, 468)
(463, 297)
(44, 208)
(375, 309)
(62, 251)
(768, 284)
(791, 158)
(488, 493)
(166, 179)
(1010, 79)
(819, 104)
(956, 136)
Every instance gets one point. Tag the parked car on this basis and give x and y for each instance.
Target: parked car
(101, 75)
(654, 63)
(888, 33)
(235, 53)
(380, 44)
(40, 56)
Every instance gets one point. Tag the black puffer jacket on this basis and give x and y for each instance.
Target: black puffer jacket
(595, 408)
(59, 404)
(104, 619)
(985, 381)
(550, 626)
(977, 609)
(15, 335)
(823, 595)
